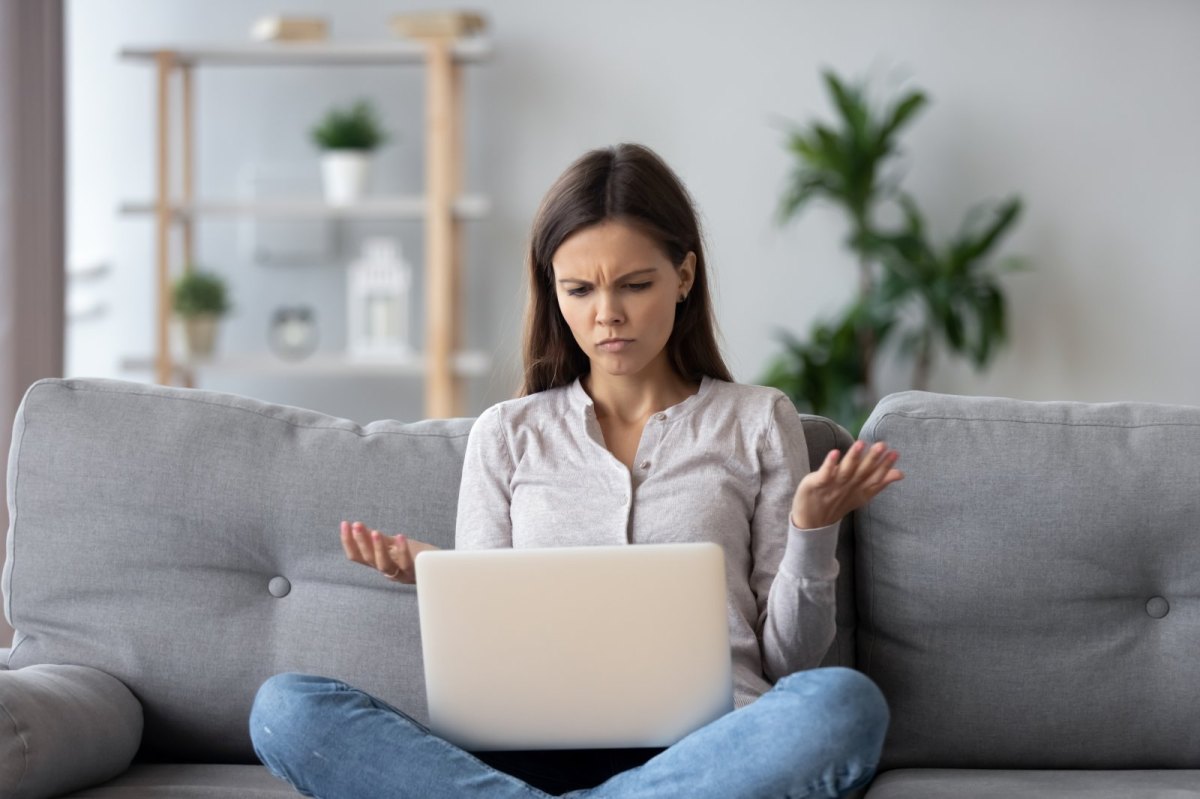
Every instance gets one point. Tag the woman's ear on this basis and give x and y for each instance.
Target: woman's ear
(687, 273)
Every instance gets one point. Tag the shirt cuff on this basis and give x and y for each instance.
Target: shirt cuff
(810, 554)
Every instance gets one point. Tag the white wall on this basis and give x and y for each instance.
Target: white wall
(1089, 110)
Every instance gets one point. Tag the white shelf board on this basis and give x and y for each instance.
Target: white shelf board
(468, 363)
(412, 207)
(465, 50)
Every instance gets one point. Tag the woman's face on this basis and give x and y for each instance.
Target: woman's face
(614, 283)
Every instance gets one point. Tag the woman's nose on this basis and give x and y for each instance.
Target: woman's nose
(608, 310)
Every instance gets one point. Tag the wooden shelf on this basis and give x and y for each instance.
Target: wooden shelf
(468, 363)
(441, 207)
(465, 50)
(415, 207)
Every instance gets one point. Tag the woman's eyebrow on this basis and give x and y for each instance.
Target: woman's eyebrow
(622, 277)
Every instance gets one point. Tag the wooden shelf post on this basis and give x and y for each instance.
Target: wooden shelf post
(441, 176)
(164, 64)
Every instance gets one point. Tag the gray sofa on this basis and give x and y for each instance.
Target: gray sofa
(1026, 598)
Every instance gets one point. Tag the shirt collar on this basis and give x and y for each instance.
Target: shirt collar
(583, 404)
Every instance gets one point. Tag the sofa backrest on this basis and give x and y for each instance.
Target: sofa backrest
(186, 542)
(1027, 594)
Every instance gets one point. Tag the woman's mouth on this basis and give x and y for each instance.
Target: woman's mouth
(615, 345)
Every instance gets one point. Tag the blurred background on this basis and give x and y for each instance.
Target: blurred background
(1087, 110)
(1074, 121)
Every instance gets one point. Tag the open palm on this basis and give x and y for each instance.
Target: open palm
(844, 484)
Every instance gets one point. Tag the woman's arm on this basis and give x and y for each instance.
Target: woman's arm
(794, 572)
(485, 491)
(797, 606)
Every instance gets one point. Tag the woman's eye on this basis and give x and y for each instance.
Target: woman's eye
(579, 292)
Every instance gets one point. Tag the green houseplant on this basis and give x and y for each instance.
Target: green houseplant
(914, 296)
(200, 299)
(347, 137)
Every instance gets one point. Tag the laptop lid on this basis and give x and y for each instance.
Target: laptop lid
(574, 647)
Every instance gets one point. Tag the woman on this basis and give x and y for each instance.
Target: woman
(629, 429)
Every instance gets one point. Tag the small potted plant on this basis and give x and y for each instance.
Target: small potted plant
(347, 137)
(199, 299)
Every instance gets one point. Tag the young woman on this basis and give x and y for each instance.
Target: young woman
(629, 429)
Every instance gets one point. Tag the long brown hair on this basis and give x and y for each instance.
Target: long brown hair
(632, 184)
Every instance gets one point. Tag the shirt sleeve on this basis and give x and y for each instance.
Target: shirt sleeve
(485, 491)
(795, 571)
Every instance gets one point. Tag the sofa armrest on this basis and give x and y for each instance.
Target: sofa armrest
(63, 728)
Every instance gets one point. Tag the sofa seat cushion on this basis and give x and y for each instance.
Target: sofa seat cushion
(949, 783)
(191, 781)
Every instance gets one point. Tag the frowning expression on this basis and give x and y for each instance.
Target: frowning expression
(617, 291)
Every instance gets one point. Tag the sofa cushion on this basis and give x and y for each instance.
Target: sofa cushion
(930, 783)
(150, 526)
(63, 728)
(1028, 594)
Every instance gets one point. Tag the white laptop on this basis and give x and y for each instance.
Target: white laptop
(574, 647)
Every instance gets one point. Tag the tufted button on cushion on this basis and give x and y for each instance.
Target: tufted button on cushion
(279, 586)
(1157, 607)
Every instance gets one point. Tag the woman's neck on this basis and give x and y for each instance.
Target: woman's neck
(635, 398)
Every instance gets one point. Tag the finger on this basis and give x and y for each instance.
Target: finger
(852, 459)
(888, 477)
(366, 550)
(400, 553)
(348, 542)
(881, 467)
(869, 461)
(383, 561)
(825, 474)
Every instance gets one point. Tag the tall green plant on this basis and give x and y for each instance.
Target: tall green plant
(911, 290)
(846, 167)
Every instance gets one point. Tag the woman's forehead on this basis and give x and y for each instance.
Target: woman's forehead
(609, 250)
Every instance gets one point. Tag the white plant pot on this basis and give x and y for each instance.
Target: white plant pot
(200, 333)
(345, 175)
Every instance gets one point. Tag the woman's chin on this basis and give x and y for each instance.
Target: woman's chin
(615, 365)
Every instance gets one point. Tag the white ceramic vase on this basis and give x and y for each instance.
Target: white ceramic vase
(345, 175)
(200, 333)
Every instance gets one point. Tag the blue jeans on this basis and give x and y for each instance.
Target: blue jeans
(815, 733)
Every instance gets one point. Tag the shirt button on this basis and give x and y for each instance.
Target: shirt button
(645, 464)
(660, 416)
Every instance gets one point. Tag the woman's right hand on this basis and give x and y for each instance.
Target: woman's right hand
(392, 556)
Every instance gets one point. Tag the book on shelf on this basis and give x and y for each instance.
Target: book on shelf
(290, 29)
(425, 24)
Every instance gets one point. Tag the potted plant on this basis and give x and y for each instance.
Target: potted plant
(916, 296)
(200, 300)
(347, 137)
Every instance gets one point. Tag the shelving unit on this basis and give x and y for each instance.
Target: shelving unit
(441, 206)
(465, 364)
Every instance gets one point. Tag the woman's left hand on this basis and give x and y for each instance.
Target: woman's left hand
(843, 484)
